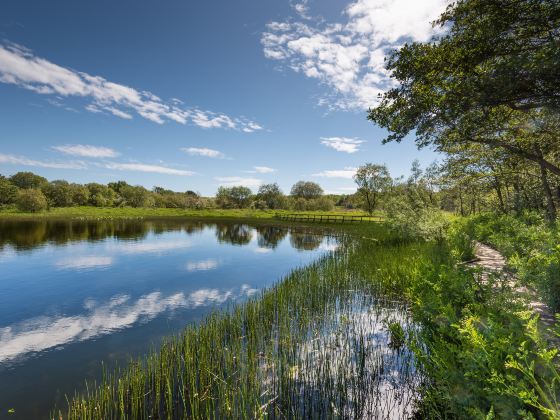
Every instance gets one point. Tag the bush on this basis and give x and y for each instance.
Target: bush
(300, 204)
(31, 200)
(416, 223)
(323, 204)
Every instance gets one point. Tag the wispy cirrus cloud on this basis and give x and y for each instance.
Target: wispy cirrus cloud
(346, 173)
(85, 150)
(261, 170)
(23, 161)
(143, 167)
(203, 151)
(236, 181)
(119, 166)
(342, 144)
(20, 66)
(348, 56)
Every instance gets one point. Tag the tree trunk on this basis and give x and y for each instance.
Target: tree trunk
(550, 206)
(461, 202)
(500, 197)
(517, 197)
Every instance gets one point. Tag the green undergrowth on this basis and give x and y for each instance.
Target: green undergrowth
(379, 328)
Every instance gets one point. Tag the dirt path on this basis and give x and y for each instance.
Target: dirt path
(493, 262)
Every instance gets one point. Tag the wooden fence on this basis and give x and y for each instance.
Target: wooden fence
(326, 218)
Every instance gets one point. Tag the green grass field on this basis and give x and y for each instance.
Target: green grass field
(130, 212)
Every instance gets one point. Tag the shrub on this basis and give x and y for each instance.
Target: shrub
(416, 223)
(323, 203)
(300, 204)
(31, 200)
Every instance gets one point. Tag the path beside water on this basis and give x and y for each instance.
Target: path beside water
(491, 261)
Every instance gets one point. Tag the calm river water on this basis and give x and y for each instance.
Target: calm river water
(74, 294)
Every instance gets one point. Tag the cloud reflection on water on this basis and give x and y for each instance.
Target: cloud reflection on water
(203, 265)
(84, 262)
(42, 333)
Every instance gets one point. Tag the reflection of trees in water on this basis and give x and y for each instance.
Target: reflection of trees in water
(29, 234)
(235, 234)
(270, 236)
(305, 241)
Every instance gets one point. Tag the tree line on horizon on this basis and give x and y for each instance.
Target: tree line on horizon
(30, 192)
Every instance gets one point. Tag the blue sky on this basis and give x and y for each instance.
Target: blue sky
(197, 94)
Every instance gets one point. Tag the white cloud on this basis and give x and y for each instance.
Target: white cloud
(203, 151)
(264, 170)
(142, 167)
(80, 263)
(261, 170)
(235, 181)
(204, 265)
(21, 160)
(252, 126)
(19, 66)
(86, 151)
(346, 173)
(348, 57)
(342, 144)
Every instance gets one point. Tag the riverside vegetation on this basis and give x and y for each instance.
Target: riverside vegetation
(382, 326)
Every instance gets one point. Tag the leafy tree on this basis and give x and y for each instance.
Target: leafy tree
(306, 190)
(58, 193)
(137, 196)
(8, 191)
(373, 181)
(497, 62)
(27, 180)
(100, 195)
(80, 194)
(272, 196)
(118, 186)
(233, 197)
(31, 200)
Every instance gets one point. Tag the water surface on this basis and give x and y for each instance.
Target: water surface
(74, 294)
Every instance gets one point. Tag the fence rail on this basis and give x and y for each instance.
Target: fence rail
(326, 218)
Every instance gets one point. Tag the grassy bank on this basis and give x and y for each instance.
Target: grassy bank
(88, 212)
(380, 327)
